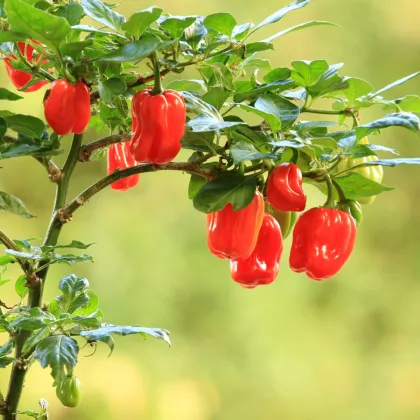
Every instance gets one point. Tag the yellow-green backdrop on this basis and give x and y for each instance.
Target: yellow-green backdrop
(347, 348)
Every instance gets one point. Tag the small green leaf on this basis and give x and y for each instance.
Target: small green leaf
(278, 86)
(141, 20)
(99, 12)
(73, 244)
(410, 103)
(356, 88)
(5, 361)
(195, 185)
(14, 205)
(187, 85)
(222, 76)
(6, 95)
(232, 188)
(33, 320)
(110, 89)
(243, 151)
(279, 73)
(88, 308)
(204, 124)
(221, 22)
(402, 119)
(20, 287)
(393, 84)
(307, 73)
(217, 97)
(355, 186)
(175, 25)
(255, 47)
(26, 125)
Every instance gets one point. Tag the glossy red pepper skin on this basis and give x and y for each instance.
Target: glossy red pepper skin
(262, 266)
(233, 234)
(158, 126)
(323, 240)
(119, 157)
(20, 78)
(67, 107)
(284, 188)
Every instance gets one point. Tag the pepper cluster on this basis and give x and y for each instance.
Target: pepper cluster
(252, 238)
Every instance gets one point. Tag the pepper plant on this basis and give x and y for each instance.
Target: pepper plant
(250, 131)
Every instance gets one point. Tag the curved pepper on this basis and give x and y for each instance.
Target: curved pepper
(20, 78)
(284, 188)
(233, 234)
(262, 266)
(286, 219)
(67, 107)
(119, 157)
(374, 173)
(158, 125)
(323, 240)
(69, 391)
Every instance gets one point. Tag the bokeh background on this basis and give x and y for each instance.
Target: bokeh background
(347, 348)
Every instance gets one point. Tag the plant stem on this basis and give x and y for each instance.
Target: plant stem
(325, 111)
(87, 150)
(9, 244)
(330, 203)
(158, 88)
(19, 369)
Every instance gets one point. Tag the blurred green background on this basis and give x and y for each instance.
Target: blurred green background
(347, 348)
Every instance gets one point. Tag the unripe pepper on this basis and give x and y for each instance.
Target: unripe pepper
(262, 266)
(69, 391)
(233, 234)
(374, 173)
(158, 125)
(286, 219)
(323, 240)
(67, 107)
(119, 157)
(284, 188)
(353, 208)
(20, 78)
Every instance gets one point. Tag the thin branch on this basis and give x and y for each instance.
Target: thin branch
(9, 244)
(191, 168)
(326, 111)
(87, 150)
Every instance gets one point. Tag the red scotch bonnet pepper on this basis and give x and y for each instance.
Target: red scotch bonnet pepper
(233, 234)
(20, 78)
(323, 240)
(262, 266)
(284, 188)
(158, 125)
(119, 157)
(67, 107)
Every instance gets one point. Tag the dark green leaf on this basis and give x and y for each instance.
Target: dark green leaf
(72, 12)
(57, 352)
(90, 307)
(71, 284)
(14, 205)
(402, 119)
(141, 20)
(7, 348)
(110, 89)
(26, 125)
(355, 186)
(5, 361)
(99, 12)
(37, 24)
(33, 320)
(6, 95)
(221, 22)
(277, 86)
(216, 97)
(243, 151)
(202, 141)
(232, 188)
(195, 185)
(36, 337)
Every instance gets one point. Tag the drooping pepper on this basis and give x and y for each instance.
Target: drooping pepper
(233, 234)
(119, 157)
(284, 188)
(262, 266)
(20, 78)
(374, 173)
(69, 391)
(353, 208)
(158, 125)
(286, 219)
(67, 107)
(323, 240)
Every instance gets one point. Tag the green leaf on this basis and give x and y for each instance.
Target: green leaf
(243, 151)
(240, 31)
(71, 284)
(7, 348)
(221, 22)
(279, 73)
(72, 12)
(136, 50)
(35, 338)
(202, 141)
(107, 329)
(90, 307)
(393, 84)
(175, 25)
(20, 287)
(272, 120)
(222, 75)
(204, 124)
(392, 162)
(328, 82)
(73, 244)
(255, 47)
(195, 185)
(307, 73)
(37, 24)
(14, 205)
(35, 319)
(57, 352)
(232, 188)
(26, 125)
(6, 95)
(275, 17)
(6, 259)
(217, 97)
(141, 20)
(99, 12)
(410, 103)
(187, 85)
(110, 89)
(356, 88)
(355, 186)
(5, 361)
(299, 27)
(402, 119)
(278, 86)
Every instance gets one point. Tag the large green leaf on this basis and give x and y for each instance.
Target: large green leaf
(99, 12)
(26, 125)
(141, 20)
(356, 186)
(175, 25)
(220, 22)
(6, 95)
(396, 83)
(14, 205)
(307, 73)
(243, 151)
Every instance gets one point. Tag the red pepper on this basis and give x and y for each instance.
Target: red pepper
(233, 234)
(67, 107)
(284, 188)
(119, 157)
(262, 266)
(20, 78)
(158, 126)
(323, 240)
